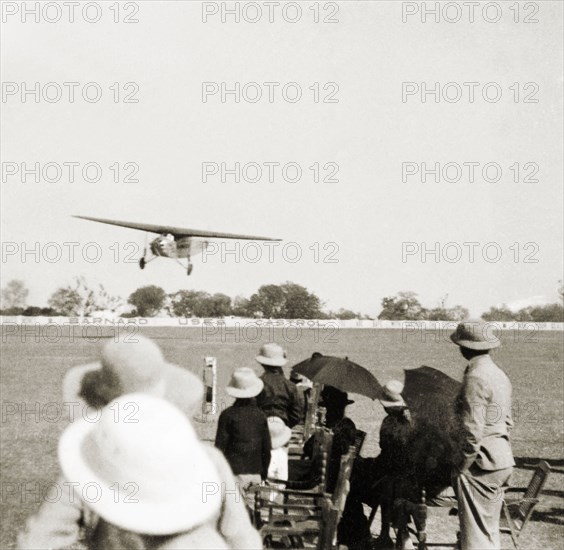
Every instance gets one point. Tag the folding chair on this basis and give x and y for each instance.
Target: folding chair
(311, 517)
(328, 536)
(306, 474)
(314, 486)
(311, 420)
(518, 511)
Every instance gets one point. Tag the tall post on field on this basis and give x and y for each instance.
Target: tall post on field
(209, 378)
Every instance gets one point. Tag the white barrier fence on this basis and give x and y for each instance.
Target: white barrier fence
(406, 326)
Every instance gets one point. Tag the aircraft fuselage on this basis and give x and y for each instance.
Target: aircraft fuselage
(166, 247)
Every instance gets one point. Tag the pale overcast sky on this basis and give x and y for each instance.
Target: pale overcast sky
(365, 216)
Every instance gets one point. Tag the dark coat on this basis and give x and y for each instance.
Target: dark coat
(280, 397)
(243, 437)
(395, 436)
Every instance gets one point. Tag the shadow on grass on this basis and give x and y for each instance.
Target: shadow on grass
(530, 463)
(552, 515)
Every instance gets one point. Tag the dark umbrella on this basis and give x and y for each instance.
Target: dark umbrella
(431, 397)
(341, 374)
(430, 394)
(310, 366)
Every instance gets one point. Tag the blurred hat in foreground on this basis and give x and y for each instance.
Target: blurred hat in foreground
(146, 463)
(128, 367)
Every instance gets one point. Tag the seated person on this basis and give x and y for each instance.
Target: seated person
(278, 469)
(303, 385)
(378, 477)
(335, 402)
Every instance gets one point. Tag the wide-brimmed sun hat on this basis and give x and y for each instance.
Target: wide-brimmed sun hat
(132, 365)
(475, 334)
(279, 433)
(272, 355)
(141, 467)
(244, 384)
(392, 394)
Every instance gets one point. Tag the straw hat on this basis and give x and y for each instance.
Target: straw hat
(392, 394)
(141, 467)
(244, 383)
(127, 367)
(279, 433)
(272, 355)
(475, 334)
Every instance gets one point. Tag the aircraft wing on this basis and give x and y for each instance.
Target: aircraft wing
(178, 232)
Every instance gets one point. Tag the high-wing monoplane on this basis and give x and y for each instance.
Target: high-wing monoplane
(176, 242)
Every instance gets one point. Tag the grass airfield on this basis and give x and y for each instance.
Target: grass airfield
(34, 362)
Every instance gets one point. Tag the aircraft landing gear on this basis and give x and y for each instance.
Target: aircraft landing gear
(190, 268)
(142, 261)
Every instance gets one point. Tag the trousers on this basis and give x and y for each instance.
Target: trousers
(480, 499)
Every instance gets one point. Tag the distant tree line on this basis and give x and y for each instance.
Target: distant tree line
(283, 301)
(78, 298)
(549, 313)
(406, 306)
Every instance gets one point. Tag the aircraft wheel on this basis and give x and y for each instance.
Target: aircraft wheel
(190, 268)
(142, 263)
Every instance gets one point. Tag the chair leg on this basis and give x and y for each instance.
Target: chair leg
(513, 532)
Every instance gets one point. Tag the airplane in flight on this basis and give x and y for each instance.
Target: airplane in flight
(176, 242)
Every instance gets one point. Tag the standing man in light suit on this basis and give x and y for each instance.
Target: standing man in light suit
(484, 413)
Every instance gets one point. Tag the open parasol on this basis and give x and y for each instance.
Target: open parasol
(340, 373)
(431, 395)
